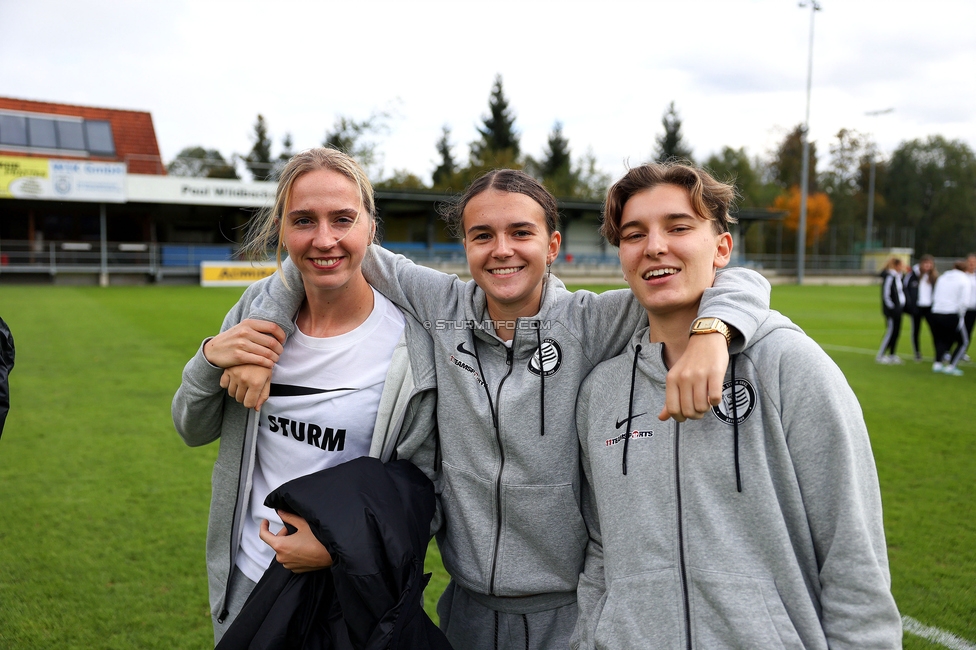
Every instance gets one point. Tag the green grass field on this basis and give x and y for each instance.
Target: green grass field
(105, 508)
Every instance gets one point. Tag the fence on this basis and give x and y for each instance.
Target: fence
(63, 257)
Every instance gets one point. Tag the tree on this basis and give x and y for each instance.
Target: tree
(843, 179)
(401, 180)
(445, 171)
(931, 187)
(353, 137)
(734, 166)
(556, 166)
(819, 211)
(591, 181)
(201, 163)
(787, 164)
(258, 161)
(281, 161)
(671, 145)
(499, 142)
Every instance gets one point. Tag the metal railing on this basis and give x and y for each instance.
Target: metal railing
(55, 257)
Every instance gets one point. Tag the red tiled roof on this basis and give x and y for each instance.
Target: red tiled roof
(133, 132)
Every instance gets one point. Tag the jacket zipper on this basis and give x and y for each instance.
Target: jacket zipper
(501, 466)
(231, 551)
(681, 541)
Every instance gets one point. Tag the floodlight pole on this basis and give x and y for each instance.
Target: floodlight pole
(868, 242)
(801, 231)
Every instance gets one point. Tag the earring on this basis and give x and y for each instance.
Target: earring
(548, 269)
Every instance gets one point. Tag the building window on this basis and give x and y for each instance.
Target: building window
(100, 137)
(71, 135)
(13, 130)
(41, 133)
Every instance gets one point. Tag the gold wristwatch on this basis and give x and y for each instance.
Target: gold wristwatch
(710, 326)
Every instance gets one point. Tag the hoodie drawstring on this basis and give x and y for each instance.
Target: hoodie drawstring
(525, 628)
(735, 427)
(542, 376)
(630, 406)
(484, 382)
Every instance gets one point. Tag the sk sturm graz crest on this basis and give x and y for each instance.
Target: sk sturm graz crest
(552, 356)
(744, 398)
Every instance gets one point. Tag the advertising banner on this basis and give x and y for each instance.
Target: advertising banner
(142, 188)
(234, 274)
(61, 180)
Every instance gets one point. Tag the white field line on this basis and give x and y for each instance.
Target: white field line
(935, 635)
(842, 348)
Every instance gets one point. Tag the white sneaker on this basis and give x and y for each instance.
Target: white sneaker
(937, 366)
(952, 370)
(895, 360)
(883, 359)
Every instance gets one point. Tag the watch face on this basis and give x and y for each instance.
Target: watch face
(705, 325)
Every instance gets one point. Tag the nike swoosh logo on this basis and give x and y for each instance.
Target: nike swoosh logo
(624, 421)
(286, 390)
(460, 348)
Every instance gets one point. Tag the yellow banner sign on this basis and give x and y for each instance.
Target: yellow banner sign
(234, 274)
(23, 176)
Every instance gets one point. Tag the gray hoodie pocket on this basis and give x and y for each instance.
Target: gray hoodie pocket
(736, 611)
(541, 542)
(642, 611)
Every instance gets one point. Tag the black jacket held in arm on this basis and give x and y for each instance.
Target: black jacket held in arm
(6, 365)
(374, 519)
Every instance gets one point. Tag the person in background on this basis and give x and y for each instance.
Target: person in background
(892, 306)
(950, 301)
(970, 318)
(919, 284)
(758, 526)
(6, 365)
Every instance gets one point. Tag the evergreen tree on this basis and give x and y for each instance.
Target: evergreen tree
(286, 148)
(499, 143)
(258, 162)
(671, 145)
(445, 171)
(556, 165)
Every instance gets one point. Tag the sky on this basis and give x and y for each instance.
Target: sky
(735, 69)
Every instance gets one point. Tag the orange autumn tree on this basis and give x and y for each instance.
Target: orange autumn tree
(819, 211)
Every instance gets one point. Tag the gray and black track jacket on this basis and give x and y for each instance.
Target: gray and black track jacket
(758, 526)
(203, 412)
(513, 535)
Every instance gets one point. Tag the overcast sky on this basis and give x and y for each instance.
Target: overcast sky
(607, 69)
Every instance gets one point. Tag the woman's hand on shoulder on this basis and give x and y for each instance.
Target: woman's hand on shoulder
(256, 342)
(299, 552)
(694, 385)
(249, 384)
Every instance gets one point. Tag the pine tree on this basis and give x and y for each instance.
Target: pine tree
(499, 143)
(671, 146)
(556, 166)
(445, 170)
(258, 162)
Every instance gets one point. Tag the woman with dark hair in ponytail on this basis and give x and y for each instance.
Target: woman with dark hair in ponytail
(919, 285)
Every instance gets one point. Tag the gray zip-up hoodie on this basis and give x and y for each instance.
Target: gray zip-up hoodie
(679, 557)
(203, 412)
(513, 534)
